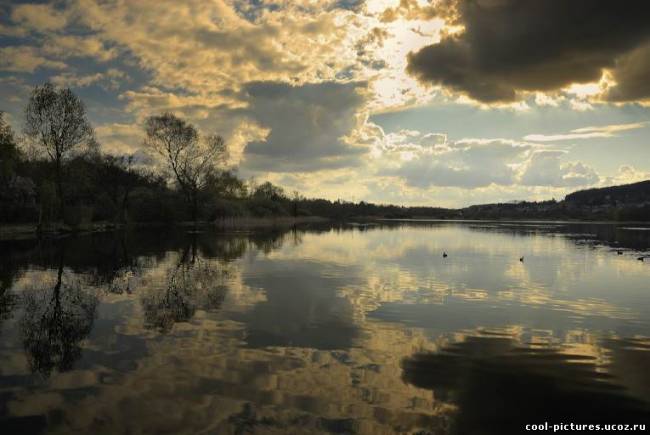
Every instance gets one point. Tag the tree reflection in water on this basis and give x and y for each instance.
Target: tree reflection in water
(8, 298)
(117, 268)
(194, 283)
(55, 322)
(7, 303)
(499, 387)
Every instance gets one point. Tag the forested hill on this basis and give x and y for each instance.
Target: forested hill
(629, 202)
(635, 193)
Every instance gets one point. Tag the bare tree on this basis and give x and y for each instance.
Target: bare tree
(190, 157)
(55, 119)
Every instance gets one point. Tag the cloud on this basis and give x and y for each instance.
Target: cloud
(39, 17)
(150, 100)
(603, 131)
(109, 80)
(468, 163)
(26, 59)
(307, 125)
(273, 126)
(432, 139)
(14, 31)
(65, 46)
(476, 164)
(415, 10)
(118, 138)
(626, 174)
(631, 73)
(510, 46)
(197, 59)
(198, 45)
(290, 84)
(545, 168)
(405, 140)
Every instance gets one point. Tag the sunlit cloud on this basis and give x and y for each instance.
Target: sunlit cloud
(26, 59)
(201, 59)
(39, 17)
(603, 131)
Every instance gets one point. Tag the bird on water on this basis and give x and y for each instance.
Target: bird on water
(521, 259)
(444, 255)
(619, 252)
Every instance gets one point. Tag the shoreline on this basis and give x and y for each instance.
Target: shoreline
(530, 221)
(28, 231)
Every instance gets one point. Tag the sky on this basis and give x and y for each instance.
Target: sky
(411, 102)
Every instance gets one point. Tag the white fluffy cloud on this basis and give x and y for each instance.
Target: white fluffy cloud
(478, 163)
(626, 174)
(469, 163)
(545, 168)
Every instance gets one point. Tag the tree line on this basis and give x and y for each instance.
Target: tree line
(54, 174)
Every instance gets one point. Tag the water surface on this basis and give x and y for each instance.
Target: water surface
(343, 329)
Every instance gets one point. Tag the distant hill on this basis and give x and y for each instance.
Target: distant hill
(629, 202)
(635, 193)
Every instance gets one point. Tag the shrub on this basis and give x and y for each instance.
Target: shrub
(147, 205)
(223, 208)
(262, 207)
(78, 216)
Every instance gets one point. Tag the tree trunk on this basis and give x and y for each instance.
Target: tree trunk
(195, 209)
(39, 226)
(125, 205)
(59, 189)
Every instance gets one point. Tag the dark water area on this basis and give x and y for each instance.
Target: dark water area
(327, 329)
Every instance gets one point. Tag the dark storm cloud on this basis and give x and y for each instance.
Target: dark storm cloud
(307, 124)
(632, 72)
(540, 45)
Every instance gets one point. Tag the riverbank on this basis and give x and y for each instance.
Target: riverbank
(29, 231)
